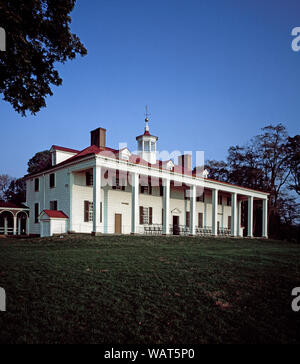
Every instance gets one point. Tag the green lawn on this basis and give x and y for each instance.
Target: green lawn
(112, 289)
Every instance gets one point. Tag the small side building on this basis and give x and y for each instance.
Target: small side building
(53, 222)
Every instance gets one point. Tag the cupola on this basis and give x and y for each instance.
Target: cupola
(147, 144)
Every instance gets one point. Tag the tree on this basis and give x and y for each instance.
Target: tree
(293, 160)
(5, 181)
(217, 170)
(39, 162)
(244, 168)
(16, 192)
(38, 37)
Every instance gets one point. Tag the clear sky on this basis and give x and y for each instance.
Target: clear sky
(212, 72)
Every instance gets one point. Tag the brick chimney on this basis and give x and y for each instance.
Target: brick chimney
(185, 161)
(98, 137)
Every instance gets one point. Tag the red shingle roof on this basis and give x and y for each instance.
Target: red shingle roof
(65, 149)
(56, 214)
(135, 159)
(11, 205)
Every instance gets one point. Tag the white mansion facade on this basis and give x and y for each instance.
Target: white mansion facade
(101, 190)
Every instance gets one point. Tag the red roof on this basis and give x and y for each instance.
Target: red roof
(135, 159)
(11, 205)
(146, 134)
(56, 147)
(56, 214)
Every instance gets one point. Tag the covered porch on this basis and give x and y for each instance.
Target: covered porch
(14, 219)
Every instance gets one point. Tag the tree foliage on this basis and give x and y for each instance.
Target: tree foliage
(39, 162)
(293, 154)
(16, 192)
(268, 162)
(5, 181)
(38, 37)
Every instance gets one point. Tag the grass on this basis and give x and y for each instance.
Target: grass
(153, 290)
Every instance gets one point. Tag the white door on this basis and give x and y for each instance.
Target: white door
(45, 229)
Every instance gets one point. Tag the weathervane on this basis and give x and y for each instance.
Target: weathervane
(147, 114)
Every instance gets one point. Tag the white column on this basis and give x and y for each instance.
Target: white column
(71, 184)
(19, 226)
(265, 219)
(135, 203)
(215, 212)
(166, 204)
(250, 217)
(239, 219)
(5, 226)
(192, 209)
(96, 198)
(15, 225)
(234, 214)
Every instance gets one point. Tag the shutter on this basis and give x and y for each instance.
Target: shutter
(200, 220)
(141, 216)
(86, 211)
(187, 218)
(229, 222)
(150, 189)
(161, 190)
(87, 178)
(150, 215)
(100, 212)
(162, 216)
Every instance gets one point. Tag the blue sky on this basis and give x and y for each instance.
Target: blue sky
(212, 72)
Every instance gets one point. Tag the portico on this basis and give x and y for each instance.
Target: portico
(215, 193)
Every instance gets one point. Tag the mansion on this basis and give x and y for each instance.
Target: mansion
(100, 190)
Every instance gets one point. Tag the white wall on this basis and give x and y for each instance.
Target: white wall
(118, 202)
(60, 193)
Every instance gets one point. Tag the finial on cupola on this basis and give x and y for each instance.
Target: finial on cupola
(147, 114)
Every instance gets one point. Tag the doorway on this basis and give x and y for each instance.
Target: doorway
(118, 224)
(176, 230)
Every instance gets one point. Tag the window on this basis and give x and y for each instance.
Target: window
(88, 211)
(52, 180)
(36, 213)
(89, 178)
(200, 198)
(146, 214)
(220, 200)
(200, 220)
(187, 194)
(147, 190)
(147, 146)
(228, 201)
(116, 184)
(53, 205)
(37, 184)
(140, 145)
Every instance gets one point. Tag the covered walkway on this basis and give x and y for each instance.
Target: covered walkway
(14, 219)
